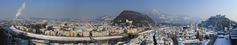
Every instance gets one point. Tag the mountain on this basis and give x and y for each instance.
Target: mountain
(104, 18)
(218, 23)
(138, 19)
(161, 18)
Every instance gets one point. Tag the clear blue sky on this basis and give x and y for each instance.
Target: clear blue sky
(93, 8)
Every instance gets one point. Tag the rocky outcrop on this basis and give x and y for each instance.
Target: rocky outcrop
(137, 19)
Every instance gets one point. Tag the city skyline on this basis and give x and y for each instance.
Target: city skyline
(87, 9)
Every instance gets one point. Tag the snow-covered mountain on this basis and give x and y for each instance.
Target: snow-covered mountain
(159, 17)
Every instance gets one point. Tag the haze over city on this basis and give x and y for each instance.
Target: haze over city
(93, 8)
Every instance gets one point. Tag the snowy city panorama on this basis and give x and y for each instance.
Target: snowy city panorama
(118, 22)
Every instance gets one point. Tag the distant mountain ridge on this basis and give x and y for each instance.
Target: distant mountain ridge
(172, 19)
(159, 18)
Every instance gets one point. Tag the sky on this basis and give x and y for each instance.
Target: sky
(85, 9)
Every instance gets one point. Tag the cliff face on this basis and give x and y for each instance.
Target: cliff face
(138, 19)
